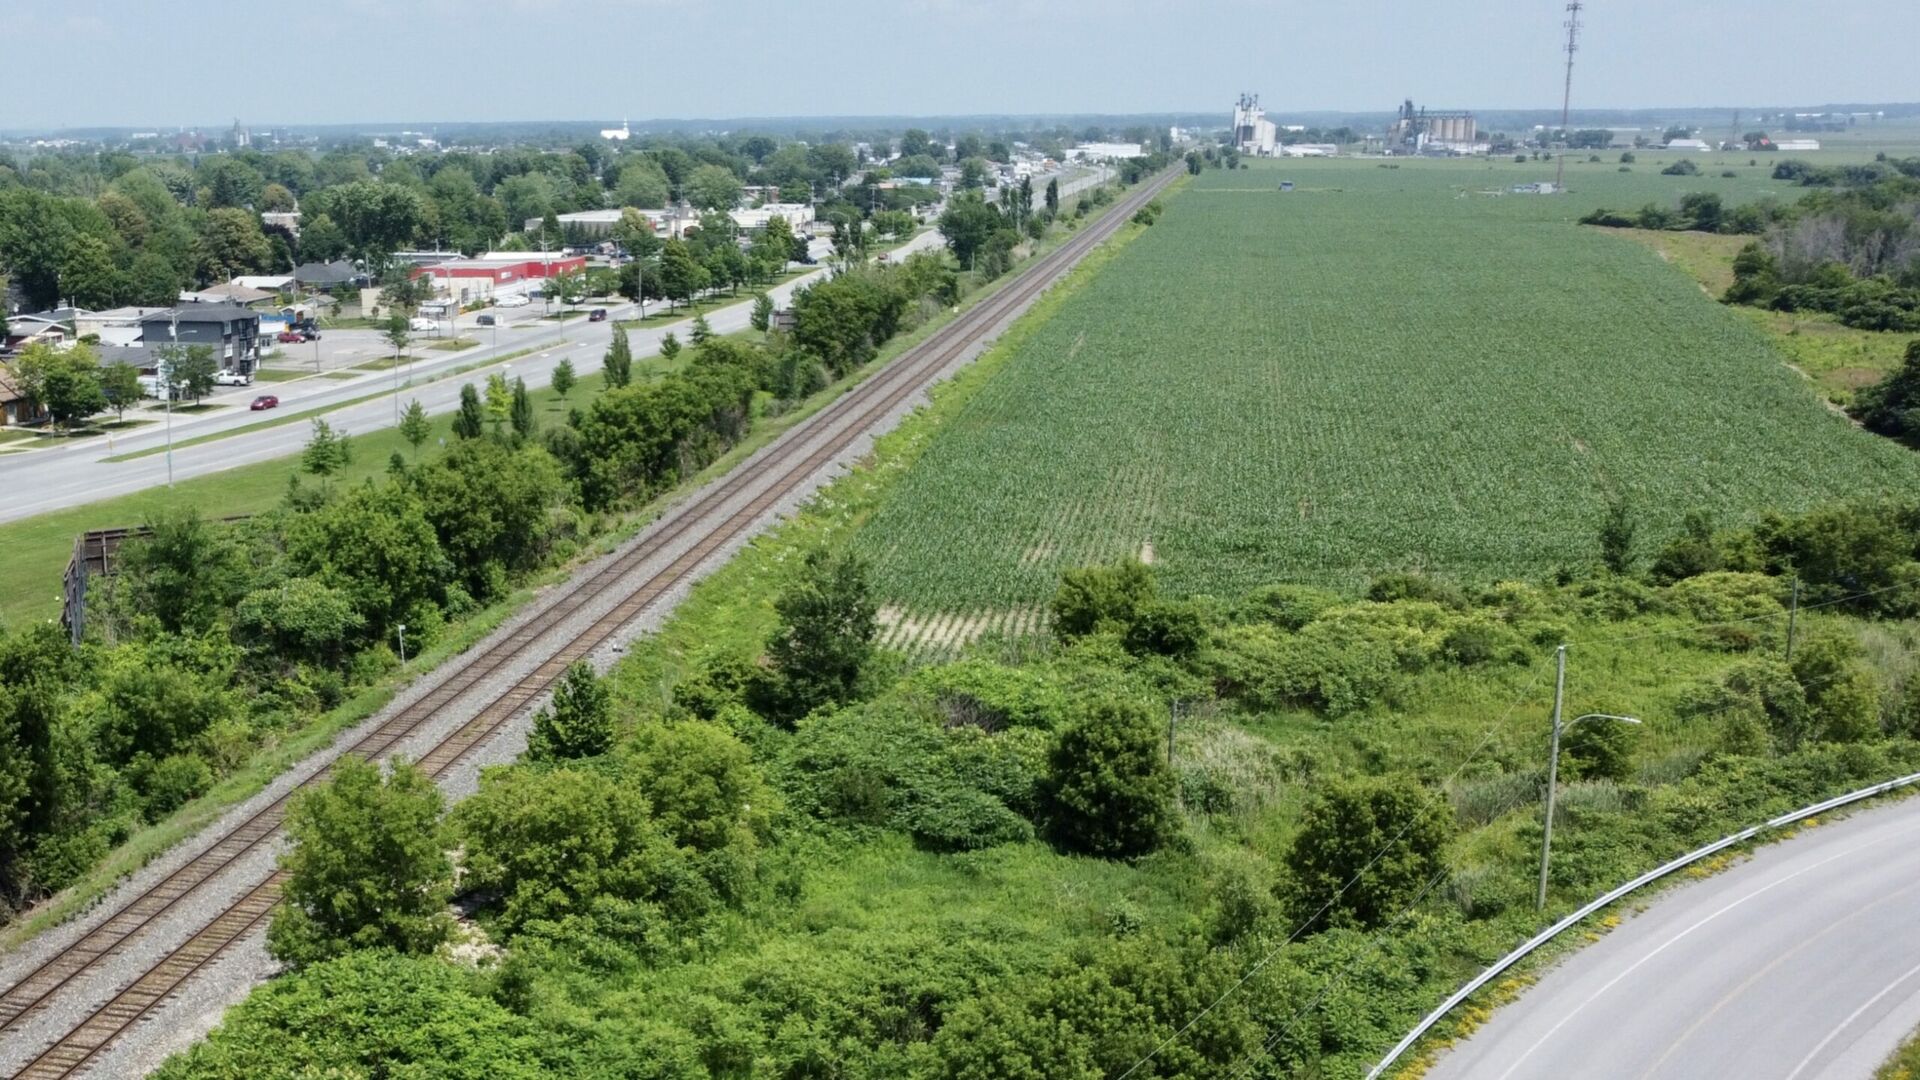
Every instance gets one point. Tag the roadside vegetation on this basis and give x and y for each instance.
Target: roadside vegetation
(259, 628)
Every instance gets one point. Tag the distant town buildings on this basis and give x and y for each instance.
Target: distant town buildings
(619, 134)
(1419, 131)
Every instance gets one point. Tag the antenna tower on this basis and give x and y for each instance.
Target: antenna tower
(1566, 94)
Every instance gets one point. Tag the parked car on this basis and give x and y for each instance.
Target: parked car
(515, 300)
(483, 320)
(292, 337)
(231, 378)
(423, 326)
(263, 402)
(598, 314)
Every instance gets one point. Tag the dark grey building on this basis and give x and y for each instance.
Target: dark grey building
(232, 331)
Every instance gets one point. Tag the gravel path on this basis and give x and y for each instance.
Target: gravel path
(199, 1004)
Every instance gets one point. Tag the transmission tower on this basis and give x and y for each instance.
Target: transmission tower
(1566, 95)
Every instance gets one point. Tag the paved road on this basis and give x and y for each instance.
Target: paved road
(46, 480)
(1801, 964)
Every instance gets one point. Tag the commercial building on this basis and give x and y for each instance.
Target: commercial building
(1688, 144)
(118, 326)
(233, 332)
(1105, 151)
(468, 280)
(1253, 134)
(1797, 145)
(1423, 131)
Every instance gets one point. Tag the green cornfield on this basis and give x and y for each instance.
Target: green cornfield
(1383, 369)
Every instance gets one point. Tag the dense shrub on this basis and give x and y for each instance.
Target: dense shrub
(1108, 790)
(1366, 848)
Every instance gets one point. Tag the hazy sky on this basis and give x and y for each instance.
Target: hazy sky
(148, 62)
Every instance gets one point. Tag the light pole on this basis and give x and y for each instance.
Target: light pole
(1553, 763)
(403, 642)
(173, 353)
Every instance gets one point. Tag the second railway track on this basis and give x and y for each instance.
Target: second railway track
(710, 519)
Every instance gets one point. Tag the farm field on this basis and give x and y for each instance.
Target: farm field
(1384, 369)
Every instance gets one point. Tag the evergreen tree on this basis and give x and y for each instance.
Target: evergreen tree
(579, 722)
(617, 368)
(521, 412)
(326, 452)
(669, 346)
(762, 317)
(563, 378)
(470, 421)
(702, 331)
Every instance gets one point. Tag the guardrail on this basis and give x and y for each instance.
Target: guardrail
(1501, 965)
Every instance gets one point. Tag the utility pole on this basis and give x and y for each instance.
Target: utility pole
(1793, 616)
(1566, 96)
(173, 357)
(1553, 768)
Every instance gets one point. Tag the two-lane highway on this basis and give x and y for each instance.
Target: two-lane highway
(53, 479)
(1803, 963)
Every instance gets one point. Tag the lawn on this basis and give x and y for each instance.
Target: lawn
(1384, 369)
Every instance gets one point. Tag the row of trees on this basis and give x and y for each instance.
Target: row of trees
(72, 385)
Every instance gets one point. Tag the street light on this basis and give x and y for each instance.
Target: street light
(403, 642)
(1553, 763)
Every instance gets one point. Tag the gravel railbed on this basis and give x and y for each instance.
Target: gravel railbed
(197, 1007)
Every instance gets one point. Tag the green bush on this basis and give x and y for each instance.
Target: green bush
(1289, 607)
(1366, 848)
(1108, 790)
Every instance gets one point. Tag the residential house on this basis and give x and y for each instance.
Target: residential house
(14, 406)
(330, 275)
(41, 329)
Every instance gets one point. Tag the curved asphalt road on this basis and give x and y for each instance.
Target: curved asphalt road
(1802, 963)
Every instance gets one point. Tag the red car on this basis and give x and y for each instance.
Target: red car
(292, 337)
(264, 401)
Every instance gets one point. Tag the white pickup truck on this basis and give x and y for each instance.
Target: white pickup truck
(231, 378)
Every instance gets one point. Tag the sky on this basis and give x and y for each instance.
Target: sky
(78, 63)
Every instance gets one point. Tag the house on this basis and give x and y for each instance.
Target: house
(232, 331)
(326, 275)
(14, 406)
(115, 326)
(41, 329)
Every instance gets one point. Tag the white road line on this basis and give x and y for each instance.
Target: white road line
(1848, 1022)
(1675, 940)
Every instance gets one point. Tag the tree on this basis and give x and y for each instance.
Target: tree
(375, 544)
(1367, 848)
(617, 367)
(1616, 538)
(120, 385)
(1108, 790)
(184, 573)
(642, 185)
(231, 243)
(499, 402)
(521, 412)
(578, 723)
(64, 382)
(681, 276)
(967, 224)
(89, 276)
(1892, 405)
(702, 331)
(326, 452)
(404, 293)
(414, 426)
(190, 368)
(489, 503)
(1053, 197)
(669, 346)
(563, 377)
(827, 626)
(973, 174)
(713, 187)
(469, 421)
(762, 317)
(568, 287)
(366, 867)
(399, 334)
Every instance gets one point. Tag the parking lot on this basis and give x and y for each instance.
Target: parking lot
(342, 350)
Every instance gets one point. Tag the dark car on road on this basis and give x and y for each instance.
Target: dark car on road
(264, 401)
(483, 320)
(598, 314)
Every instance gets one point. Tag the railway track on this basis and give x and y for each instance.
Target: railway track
(719, 514)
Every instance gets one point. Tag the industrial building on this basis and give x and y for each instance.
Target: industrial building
(1417, 131)
(1253, 133)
